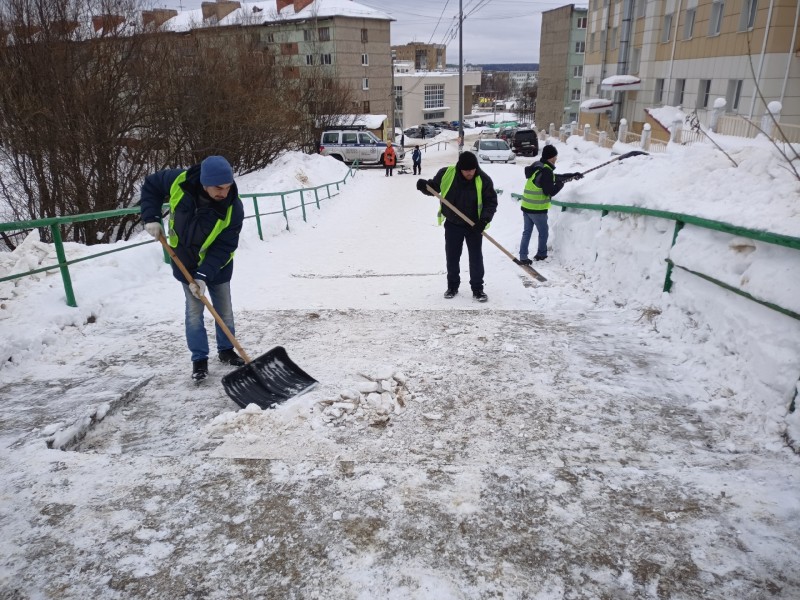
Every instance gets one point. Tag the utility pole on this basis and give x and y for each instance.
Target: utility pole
(460, 77)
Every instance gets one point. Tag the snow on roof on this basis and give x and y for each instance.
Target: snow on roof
(368, 121)
(595, 105)
(256, 13)
(667, 115)
(621, 82)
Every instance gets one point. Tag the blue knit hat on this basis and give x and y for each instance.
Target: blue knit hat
(215, 170)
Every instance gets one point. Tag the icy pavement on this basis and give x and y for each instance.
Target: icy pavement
(571, 479)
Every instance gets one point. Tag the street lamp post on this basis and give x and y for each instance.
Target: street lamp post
(460, 77)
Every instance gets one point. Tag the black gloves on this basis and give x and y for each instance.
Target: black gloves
(570, 176)
(480, 225)
(422, 186)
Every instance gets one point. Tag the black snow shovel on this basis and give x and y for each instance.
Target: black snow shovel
(267, 381)
(527, 268)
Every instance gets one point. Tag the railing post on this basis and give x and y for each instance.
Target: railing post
(587, 129)
(258, 218)
(285, 214)
(771, 116)
(675, 130)
(316, 196)
(668, 279)
(302, 205)
(646, 136)
(622, 133)
(719, 110)
(602, 139)
(62, 264)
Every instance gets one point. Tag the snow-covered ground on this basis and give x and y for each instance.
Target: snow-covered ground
(590, 437)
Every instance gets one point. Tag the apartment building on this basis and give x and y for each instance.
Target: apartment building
(561, 51)
(346, 39)
(688, 53)
(425, 57)
(428, 96)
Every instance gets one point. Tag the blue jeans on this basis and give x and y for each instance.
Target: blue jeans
(196, 336)
(540, 221)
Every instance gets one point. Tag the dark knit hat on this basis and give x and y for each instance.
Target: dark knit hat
(467, 162)
(548, 152)
(215, 170)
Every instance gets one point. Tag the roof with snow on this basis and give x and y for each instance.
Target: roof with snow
(258, 13)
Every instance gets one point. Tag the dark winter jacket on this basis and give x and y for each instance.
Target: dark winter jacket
(416, 156)
(463, 195)
(546, 179)
(193, 220)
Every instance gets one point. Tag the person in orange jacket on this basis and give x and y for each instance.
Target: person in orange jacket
(389, 159)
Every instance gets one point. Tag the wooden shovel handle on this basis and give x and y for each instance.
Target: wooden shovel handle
(203, 299)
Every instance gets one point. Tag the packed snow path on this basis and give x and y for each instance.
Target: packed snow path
(537, 446)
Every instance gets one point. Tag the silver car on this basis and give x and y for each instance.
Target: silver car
(494, 151)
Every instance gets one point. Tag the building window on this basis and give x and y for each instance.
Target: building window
(666, 28)
(365, 83)
(575, 95)
(577, 71)
(580, 47)
(365, 107)
(434, 96)
(703, 93)
(398, 97)
(364, 36)
(365, 60)
(325, 59)
(680, 86)
(270, 37)
(591, 42)
(434, 115)
(639, 9)
(614, 38)
(688, 26)
(659, 93)
(734, 94)
(748, 18)
(715, 22)
(307, 37)
(581, 23)
(636, 59)
(309, 59)
(324, 34)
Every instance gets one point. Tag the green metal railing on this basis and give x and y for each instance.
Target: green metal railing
(683, 219)
(55, 224)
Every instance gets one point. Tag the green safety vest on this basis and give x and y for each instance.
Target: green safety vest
(447, 181)
(176, 194)
(534, 197)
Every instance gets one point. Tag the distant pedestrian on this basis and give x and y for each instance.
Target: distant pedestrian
(422, 132)
(472, 192)
(542, 184)
(389, 159)
(403, 140)
(416, 159)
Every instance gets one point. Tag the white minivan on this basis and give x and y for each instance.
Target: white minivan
(351, 145)
(494, 151)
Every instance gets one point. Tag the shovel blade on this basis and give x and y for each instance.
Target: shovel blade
(267, 381)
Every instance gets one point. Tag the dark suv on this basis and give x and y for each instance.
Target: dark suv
(524, 142)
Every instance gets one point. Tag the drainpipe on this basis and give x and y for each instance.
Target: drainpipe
(791, 53)
(622, 58)
(761, 59)
(677, 14)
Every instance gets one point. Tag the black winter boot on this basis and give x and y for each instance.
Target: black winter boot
(450, 293)
(229, 357)
(200, 369)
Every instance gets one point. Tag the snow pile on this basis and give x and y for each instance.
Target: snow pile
(370, 402)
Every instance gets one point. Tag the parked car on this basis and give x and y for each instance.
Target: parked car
(412, 132)
(350, 145)
(505, 133)
(525, 142)
(494, 151)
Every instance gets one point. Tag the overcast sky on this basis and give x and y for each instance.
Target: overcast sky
(495, 31)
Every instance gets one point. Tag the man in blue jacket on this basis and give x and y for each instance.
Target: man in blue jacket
(206, 218)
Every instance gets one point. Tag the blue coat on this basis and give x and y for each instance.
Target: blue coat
(195, 217)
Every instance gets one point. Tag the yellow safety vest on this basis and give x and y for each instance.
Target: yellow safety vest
(447, 182)
(534, 198)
